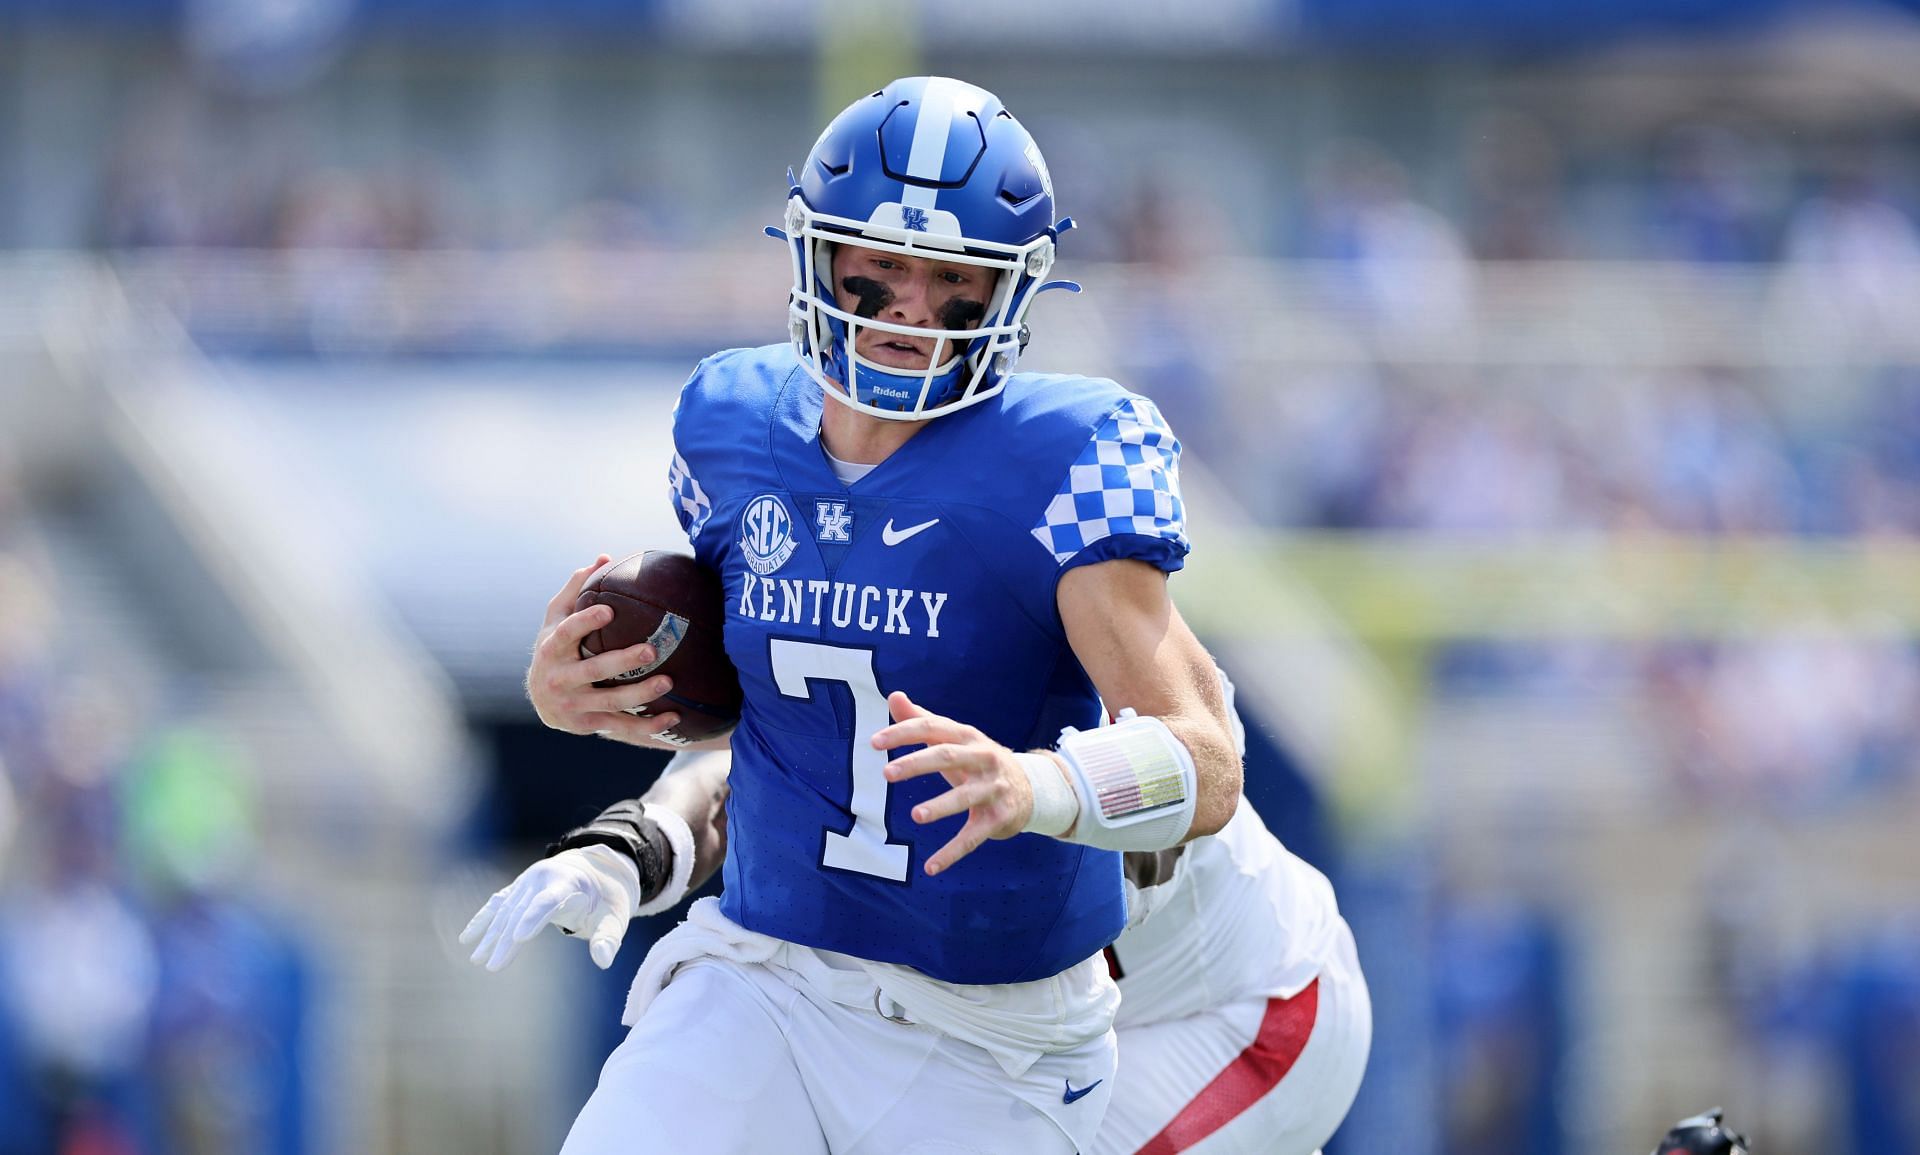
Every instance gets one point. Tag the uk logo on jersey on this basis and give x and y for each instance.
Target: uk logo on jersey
(766, 534)
(832, 522)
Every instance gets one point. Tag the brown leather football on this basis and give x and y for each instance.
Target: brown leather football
(673, 601)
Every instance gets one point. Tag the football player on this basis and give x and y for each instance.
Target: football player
(936, 569)
(1244, 1021)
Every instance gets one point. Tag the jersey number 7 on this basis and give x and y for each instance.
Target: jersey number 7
(865, 849)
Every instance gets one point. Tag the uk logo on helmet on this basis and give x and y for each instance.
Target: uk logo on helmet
(914, 218)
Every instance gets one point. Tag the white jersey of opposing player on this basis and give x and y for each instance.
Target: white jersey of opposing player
(1242, 917)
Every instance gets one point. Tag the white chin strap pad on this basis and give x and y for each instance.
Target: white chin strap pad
(1135, 781)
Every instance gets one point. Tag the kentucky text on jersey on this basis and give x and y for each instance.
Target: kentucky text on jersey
(816, 601)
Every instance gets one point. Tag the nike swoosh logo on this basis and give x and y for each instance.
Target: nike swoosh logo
(1073, 1096)
(894, 536)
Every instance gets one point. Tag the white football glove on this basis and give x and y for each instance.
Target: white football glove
(590, 889)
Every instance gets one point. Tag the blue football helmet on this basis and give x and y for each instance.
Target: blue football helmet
(932, 168)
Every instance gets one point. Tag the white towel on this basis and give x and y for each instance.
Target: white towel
(706, 933)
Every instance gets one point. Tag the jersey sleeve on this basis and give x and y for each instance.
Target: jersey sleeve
(1121, 496)
(690, 503)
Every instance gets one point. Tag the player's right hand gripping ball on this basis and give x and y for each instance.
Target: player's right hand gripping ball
(678, 605)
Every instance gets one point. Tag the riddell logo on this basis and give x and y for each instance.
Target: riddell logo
(896, 394)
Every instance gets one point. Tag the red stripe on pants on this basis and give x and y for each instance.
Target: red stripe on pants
(1257, 1070)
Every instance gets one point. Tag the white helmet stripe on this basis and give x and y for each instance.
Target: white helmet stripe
(940, 102)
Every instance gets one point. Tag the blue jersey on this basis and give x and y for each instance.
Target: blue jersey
(934, 574)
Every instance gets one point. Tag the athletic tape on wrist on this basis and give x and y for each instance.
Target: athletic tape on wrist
(1136, 784)
(1055, 805)
(680, 838)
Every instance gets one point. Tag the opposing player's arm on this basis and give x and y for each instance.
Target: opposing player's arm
(638, 857)
(694, 788)
(1133, 643)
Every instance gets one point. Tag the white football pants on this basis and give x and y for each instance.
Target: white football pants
(1257, 1077)
(743, 1057)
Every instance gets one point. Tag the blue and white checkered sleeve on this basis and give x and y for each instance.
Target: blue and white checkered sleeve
(1121, 498)
(690, 502)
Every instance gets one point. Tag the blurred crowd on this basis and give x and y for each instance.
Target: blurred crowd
(149, 1003)
(1759, 734)
(1508, 189)
(1825, 452)
(272, 196)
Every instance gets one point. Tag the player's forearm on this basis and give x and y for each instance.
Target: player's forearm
(1142, 656)
(694, 786)
(1217, 768)
(1195, 708)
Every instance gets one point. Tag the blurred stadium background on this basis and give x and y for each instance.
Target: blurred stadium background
(1550, 375)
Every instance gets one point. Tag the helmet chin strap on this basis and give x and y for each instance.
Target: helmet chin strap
(871, 381)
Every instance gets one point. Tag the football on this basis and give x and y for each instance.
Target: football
(674, 602)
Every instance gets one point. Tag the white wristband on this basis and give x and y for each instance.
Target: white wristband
(680, 838)
(1055, 806)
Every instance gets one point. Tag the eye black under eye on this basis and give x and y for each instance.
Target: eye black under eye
(962, 314)
(873, 295)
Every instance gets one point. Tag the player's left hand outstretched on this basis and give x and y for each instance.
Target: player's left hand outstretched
(989, 784)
